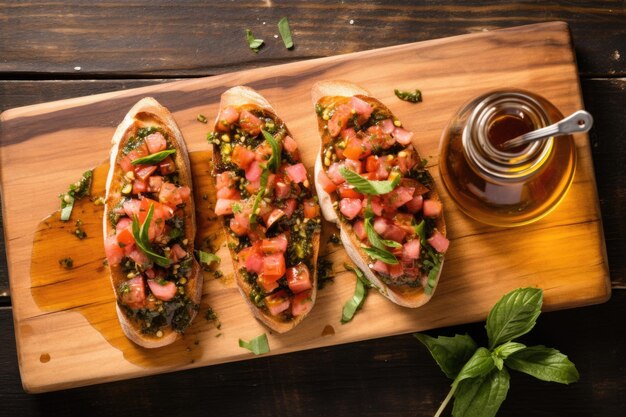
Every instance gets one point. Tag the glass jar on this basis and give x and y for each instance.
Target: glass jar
(505, 187)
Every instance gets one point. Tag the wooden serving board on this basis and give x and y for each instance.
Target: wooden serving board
(66, 329)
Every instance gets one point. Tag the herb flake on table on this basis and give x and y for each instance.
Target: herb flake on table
(285, 32)
(480, 376)
(207, 258)
(360, 293)
(201, 118)
(259, 345)
(67, 263)
(76, 191)
(410, 96)
(253, 43)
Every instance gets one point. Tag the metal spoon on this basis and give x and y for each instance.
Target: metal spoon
(577, 122)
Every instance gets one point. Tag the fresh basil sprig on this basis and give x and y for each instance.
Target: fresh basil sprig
(274, 161)
(259, 345)
(381, 255)
(140, 233)
(360, 293)
(285, 32)
(154, 158)
(369, 187)
(480, 377)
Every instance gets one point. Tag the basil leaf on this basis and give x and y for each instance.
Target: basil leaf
(481, 397)
(543, 363)
(259, 345)
(479, 365)
(154, 158)
(207, 258)
(140, 233)
(360, 293)
(274, 161)
(259, 195)
(507, 349)
(366, 186)
(450, 353)
(285, 32)
(381, 255)
(412, 97)
(253, 43)
(514, 315)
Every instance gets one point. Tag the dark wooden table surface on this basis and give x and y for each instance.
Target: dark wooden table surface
(55, 50)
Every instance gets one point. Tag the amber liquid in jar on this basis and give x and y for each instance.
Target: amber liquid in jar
(505, 187)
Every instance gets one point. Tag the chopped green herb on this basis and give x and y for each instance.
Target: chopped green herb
(274, 161)
(67, 263)
(212, 317)
(76, 191)
(207, 259)
(360, 293)
(324, 272)
(259, 345)
(201, 118)
(79, 232)
(218, 274)
(155, 157)
(285, 32)
(366, 186)
(237, 208)
(412, 97)
(140, 233)
(253, 43)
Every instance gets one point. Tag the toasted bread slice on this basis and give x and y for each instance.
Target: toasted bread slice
(155, 303)
(405, 290)
(281, 216)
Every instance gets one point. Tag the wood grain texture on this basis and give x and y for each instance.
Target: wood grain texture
(165, 38)
(478, 267)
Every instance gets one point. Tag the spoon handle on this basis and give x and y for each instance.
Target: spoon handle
(577, 122)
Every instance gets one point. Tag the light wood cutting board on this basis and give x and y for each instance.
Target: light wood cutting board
(66, 329)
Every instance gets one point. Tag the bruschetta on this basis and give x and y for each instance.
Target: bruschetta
(270, 213)
(149, 227)
(374, 186)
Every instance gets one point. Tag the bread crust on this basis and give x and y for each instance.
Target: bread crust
(148, 112)
(246, 97)
(403, 295)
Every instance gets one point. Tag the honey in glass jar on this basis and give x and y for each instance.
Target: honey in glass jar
(505, 187)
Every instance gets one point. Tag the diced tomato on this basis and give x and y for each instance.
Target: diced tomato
(224, 206)
(381, 225)
(132, 207)
(348, 134)
(177, 253)
(138, 257)
(139, 186)
(281, 190)
(276, 244)
(154, 183)
(357, 149)
(377, 138)
(133, 293)
(229, 193)
(237, 227)
(184, 192)
(334, 174)
(371, 163)
(126, 164)
(167, 166)
(387, 126)
(396, 271)
(350, 207)
(382, 172)
(252, 259)
(122, 224)
(325, 182)
(297, 172)
(411, 249)
(339, 119)
(377, 205)
(165, 291)
(169, 195)
(415, 205)
(361, 107)
(432, 208)
(227, 117)
(346, 190)
(405, 221)
(250, 123)
(399, 196)
(139, 152)
(302, 303)
(253, 172)
(407, 161)
(113, 251)
(381, 267)
(267, 284)
(353, 165)
(156, 142)
(142, 172)
(274, 265)
(150, 273)
(263, 152)
(298, 278)
(242, 156)
(290, 206)
(291, 147)
(395, 233)
(403, 136)
(419, 187)
(277, 303)
(274, 216)
(125, 238)
(253, 186)
(439, 242)
(225, 180)
(311, 209)
(359, 229)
